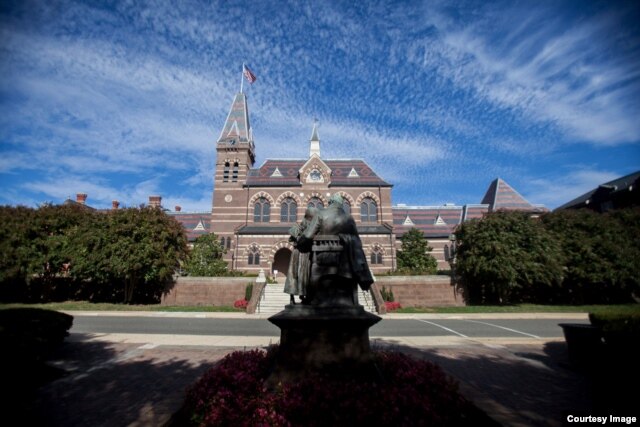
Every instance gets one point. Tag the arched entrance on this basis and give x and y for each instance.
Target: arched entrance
(281, 262)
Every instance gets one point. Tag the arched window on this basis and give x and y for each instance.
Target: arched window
(368, 210)
(234, 177)
(288, 210)
(254, 255)
(346, 206)
(376, 256)
(228, 242)
(225, 175)
(315, 202)
(261, 210)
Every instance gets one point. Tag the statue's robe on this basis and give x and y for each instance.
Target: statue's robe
(348, 265)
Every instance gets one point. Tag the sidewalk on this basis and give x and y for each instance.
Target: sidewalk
(140, 380)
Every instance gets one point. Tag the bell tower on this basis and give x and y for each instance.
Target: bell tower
(235, 156)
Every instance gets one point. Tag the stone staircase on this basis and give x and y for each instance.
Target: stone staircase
(274, 299)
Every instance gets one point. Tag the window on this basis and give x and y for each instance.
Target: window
(368, 210)
(315, 202)
(376, 255)
(288, 210)
(225, 175)
(222, 242)
(346, 206)
(261, 210)
(234, 177)
(228, 242)
(254, 255)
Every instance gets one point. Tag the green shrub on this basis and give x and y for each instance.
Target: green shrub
(387, 295)
(620, 330)
(30, 334)
(248, 291)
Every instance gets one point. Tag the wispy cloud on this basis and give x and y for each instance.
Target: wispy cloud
(548, 70)
(564, 188)
(131, 97)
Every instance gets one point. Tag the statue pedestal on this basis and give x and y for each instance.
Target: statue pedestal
(334, 340)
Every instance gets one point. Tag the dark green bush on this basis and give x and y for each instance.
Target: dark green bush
(30, 334)
(387, 295)
(621, 331)
(248, 291)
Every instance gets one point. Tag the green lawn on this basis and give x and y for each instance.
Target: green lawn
(88, 306)
(521, 308)
(525, 308)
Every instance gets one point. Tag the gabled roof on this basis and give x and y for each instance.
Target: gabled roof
(195, 223)
(237, 126)
(433, 221)
(627, 183)
(501, 196)
(289, 168)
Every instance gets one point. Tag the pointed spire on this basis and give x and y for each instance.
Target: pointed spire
(237, 127)
(314, 147)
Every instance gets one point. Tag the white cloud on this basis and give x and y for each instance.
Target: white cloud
(563, 188)
(557, 74)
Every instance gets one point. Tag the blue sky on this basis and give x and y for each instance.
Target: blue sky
(122, 100)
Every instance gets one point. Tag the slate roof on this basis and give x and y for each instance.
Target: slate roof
(237, 125)
(609, 189)
(74, 203)
(474, 211)
(289, 168)
(433, 221)
(195, 223)
(501, 196)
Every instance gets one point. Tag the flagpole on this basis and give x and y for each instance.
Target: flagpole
(242, 78)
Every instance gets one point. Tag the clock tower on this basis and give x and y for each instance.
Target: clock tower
(235, 156)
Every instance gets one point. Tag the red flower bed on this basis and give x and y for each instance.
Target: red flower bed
(392, 305)
(412, 393)
(241, 303)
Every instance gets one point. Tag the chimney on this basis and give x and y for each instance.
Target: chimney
(81, 198)
(155, 201)
(115, 204)
(178, 208)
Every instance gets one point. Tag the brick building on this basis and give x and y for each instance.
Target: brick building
(253, 208)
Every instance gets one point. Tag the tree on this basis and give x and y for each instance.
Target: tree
(599, 254)
(205, 258)
(33, 243)
(16, 252)
(134, 251)
(508, 257)
(414, 257)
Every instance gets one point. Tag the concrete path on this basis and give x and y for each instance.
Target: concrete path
(140, 379)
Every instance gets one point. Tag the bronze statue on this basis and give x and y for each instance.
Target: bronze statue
(329, 331)
(338, 263)
(298, 274)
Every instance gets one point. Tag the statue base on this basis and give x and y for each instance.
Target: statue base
(332, 340)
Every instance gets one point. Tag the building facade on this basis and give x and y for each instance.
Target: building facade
(253, 208)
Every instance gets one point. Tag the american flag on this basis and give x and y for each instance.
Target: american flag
(248, 74)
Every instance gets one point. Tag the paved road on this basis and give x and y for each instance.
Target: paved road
(471, 328)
